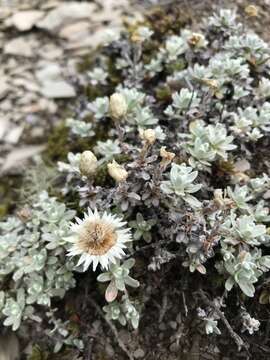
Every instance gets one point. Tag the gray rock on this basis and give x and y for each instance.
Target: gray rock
(66, 13)
(4, 88)
(49, 72)
(57, 89)
(18, 156)
(25, 20)
(18, 46)
(138, 354)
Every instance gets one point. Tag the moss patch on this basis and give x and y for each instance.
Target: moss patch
(9, 187)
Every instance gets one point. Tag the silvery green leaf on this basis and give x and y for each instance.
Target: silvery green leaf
(229, 283)
(57, 347)
(100, 107)
(131, 282)
(133, 97)
(97, 76)
(104, 277)
(247, 287)
(174, 46)
(128, 264)
(265, 261)
(18, 274)
(192, 201)
(80, 128)
(120, 284)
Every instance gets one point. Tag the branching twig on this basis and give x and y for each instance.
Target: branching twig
(164, 308)
(113, 329)
(237, 339)
(150, 246)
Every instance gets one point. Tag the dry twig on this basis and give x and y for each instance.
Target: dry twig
(237, 339)
(113, 329)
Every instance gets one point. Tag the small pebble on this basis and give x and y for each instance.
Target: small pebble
(139, 353)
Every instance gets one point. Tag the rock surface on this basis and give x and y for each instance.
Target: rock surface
(40, 67)
(25, 20)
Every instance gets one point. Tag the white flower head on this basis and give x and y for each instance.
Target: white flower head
(98, 239)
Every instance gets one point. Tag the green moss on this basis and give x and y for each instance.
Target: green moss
(168, 20)
(38, 354)
(88, 60)
(92, 92)
(9, 186)
(114, 73)
(163, 93)
(60, 143)
(101, 177)
(176, 66)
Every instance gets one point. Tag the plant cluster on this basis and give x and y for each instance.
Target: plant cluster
(34, 269)
(181, 111)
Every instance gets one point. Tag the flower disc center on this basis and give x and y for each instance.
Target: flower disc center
(97, 237)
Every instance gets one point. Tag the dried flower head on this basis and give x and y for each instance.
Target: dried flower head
(166, 155)
(148, 135)
(118, 106)
(141, 34)
(251, 11)
(196, 39)
(117, 171)
(220, 200)
(88, 163)
(98, 239)
(211, 83)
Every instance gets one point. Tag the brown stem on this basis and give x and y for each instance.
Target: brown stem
(113, 329)
(237, 339)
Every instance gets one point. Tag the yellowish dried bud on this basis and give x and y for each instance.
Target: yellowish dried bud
(24, 214)
(196, 39)
(220, 200)
(117, 172)
(135, 37)
(240, 178)
(212, 83)
(88, 163)
(118, 106)
(148, 135)
(252, 11)
(166, 155)
(218, 197)
(243, 255)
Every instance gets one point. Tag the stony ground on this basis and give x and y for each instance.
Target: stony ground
(41, 43)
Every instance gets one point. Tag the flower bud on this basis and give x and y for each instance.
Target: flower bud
(251, 11)
(118, 106)
(117, 172)
(88, 163)
(166, 155)
(148, 135)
